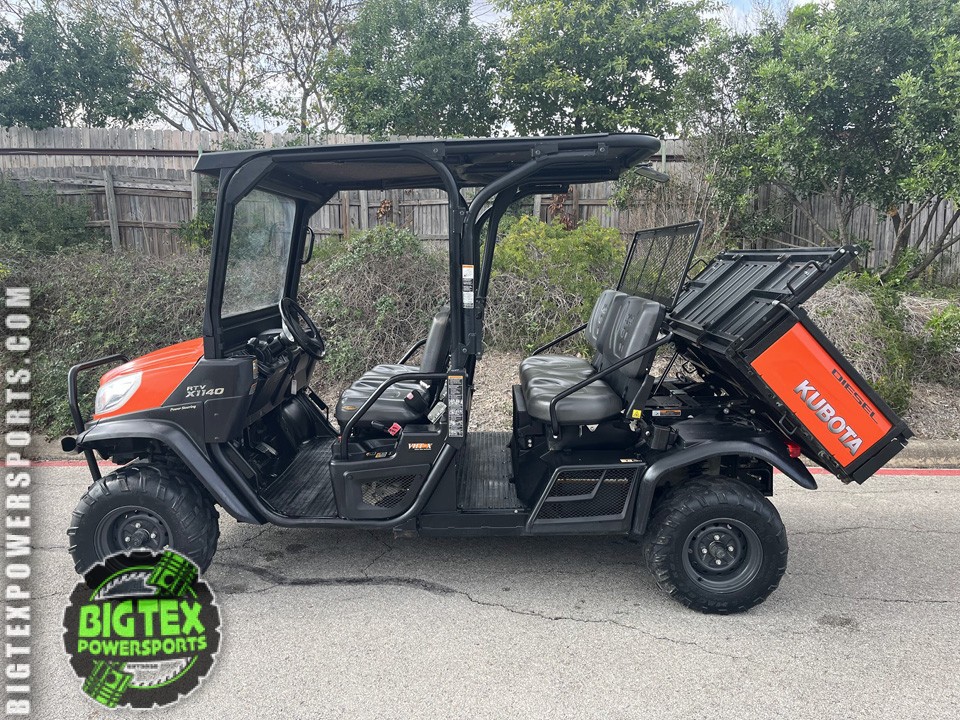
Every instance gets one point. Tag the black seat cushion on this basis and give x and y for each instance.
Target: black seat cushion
(562, 366)
(596, 334)
(390, 407)
(588, 406)
(632, 324)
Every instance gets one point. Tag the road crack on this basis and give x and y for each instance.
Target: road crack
(274, 580)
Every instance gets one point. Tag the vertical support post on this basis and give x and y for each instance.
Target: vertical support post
(537, 204)
(364, 210)
(345, 213)
(575, 203)
(194, 194)
(112, 216)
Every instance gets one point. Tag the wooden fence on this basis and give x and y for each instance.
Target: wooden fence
(141, 189)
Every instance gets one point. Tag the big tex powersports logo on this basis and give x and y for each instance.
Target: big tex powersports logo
(141, 630)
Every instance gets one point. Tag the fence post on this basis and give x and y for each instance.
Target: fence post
(112, 216)
(345, 214)
(194, 194)
(364, 210)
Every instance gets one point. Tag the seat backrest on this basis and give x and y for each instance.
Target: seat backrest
(436, 352)
(637, 323)
(598, 325)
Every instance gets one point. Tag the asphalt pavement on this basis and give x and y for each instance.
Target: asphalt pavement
(352, 624)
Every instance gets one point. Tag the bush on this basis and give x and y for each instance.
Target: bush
(373, 298)
(87, 303)
(546, 279)
(197, 232)
(32, 220)
(894, 339)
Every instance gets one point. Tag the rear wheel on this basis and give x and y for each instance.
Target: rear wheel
(143, 507)
(717, 545)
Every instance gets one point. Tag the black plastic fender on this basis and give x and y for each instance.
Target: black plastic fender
(185, 448)
(697, 453)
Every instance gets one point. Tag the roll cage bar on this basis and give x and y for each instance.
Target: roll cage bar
(503, 170)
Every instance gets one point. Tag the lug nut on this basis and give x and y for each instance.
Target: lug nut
(717, 538)
(127, 539)
(718, 562)
(730, 548)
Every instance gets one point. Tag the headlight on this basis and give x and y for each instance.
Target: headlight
(116, 392)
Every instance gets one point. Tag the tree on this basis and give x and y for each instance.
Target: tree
(417, 67)
(206, 58)
(304, 34)
(581, 66)
(853, 103)
(63, 71)
(929, 103)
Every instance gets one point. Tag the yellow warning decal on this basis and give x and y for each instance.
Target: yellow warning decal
(637, 414)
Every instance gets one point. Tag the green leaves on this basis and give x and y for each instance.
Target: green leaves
(416, 67)
(581, 66)
(69, 71)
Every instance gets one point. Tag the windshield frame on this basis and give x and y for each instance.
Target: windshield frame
(224, 334)
(290, 241)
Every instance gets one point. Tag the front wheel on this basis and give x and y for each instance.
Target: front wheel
(717, 545)
(143, 507)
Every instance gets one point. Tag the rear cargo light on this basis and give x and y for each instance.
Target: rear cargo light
(793, 449)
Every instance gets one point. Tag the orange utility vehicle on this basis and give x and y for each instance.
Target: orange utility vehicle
(683, 460)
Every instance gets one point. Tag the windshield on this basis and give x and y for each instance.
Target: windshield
(259, 251)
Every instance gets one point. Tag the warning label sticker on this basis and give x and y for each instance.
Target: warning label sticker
(455, 405)
(468, 291)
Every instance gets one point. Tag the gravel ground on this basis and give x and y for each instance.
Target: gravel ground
(492, 408)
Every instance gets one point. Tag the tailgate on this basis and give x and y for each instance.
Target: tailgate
(740, 323)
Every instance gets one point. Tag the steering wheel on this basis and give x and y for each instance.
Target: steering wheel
(308, 338)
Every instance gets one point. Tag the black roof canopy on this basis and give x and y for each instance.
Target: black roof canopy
(472, 162)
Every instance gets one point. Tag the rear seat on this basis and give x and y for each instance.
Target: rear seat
(626, 325)
(574, 367)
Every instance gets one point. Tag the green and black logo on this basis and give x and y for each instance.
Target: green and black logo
(142, 629)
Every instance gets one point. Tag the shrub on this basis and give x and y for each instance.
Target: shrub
(372, 297)
(32, 220)
(90, 303)
(892, 338)
(546, 279)
(197, 232)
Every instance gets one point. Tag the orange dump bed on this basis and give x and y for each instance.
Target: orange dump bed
(740, 322)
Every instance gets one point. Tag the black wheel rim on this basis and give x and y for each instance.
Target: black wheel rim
(131, 528)
(722, 555)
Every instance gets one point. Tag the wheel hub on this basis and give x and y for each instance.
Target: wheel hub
(717, 548)
(129, 529)
(723, 555)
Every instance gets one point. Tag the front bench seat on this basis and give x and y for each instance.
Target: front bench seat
(390, 407)
(635, 324)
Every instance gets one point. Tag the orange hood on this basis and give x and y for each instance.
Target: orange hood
(163, 370)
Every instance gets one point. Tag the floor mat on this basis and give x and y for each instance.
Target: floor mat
(305, 489)
(483, 476)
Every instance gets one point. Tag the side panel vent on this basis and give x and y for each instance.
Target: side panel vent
(387, 493)
(587, 495)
